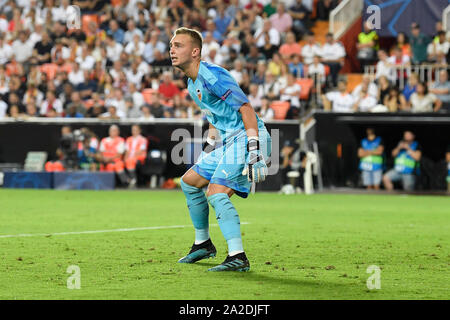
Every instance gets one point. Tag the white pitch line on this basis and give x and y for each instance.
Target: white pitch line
(22, 235)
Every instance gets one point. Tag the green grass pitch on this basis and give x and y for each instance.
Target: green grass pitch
(299, 247)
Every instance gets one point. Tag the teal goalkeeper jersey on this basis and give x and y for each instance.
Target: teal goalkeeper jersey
(219, 97)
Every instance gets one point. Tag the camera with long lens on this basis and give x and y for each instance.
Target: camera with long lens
(69, 148)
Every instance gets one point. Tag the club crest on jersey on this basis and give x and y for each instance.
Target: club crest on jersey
(199, 94)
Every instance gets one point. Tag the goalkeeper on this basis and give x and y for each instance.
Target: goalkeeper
(231, 167)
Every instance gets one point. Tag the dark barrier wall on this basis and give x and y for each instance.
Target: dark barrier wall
(339, 137)
(19, 137)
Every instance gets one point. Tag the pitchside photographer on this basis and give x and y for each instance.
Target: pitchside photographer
(77, 150)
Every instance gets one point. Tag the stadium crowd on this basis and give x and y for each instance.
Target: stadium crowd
(117, 64)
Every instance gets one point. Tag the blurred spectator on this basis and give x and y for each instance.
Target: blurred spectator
(222, 20)
(441, 88)
(237, 71)
(310, 49)
(367, 46)
(316, 70)
(87, 150)
(291, 93)
(403, 44)
(146, 114)
(368, 85)
(167, 87)
(51, 103)
(324, 8)
(132, 31)
(281, 20)
(6, 50)
(270, 8)
(267, 33)
(265, 112)
(339, 101)
(384, 67)
(384, 87)
(364, 102)
(135, 153)
(296, 67)
(271, 87)
(156, 108)
(408, 90)
(423, 101)
(22, 48)
(255, 96)
(276, 65)
(260, 75)
(289, 48)
(76, 76)
(115, 31)
(419, 44)
(371, 160)
(300, 15)
(333, 54)
(76, 105)
(392, 100)
(43, 48)
(151, 45)
(407, 154)
(439, 48)
(401, 62)
(112, 113)
(111, 153)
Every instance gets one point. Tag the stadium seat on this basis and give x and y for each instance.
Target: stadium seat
(116, 3)
(280, 109)
(50, 69)
(86, 19)
(306, 84)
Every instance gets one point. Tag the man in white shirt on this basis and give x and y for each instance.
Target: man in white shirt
(134, 75)
(6, 51)
(333, 54)
(76, 76)
(291, 92)
(113, 48)
(367, 85)
(135, 47)
(274, 35)
(310, 49)
(237, 71)
(384, 67)
(131, 32)
(209, 44)
(364, 102)
(22, 48)
(339, 101)
(152, 45)
(86, 61)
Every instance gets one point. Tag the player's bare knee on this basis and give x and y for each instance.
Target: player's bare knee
(217, 188)
(193, 179)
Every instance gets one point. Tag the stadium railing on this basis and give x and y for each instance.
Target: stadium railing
(344, 15)
(446, 19)
(426, 73)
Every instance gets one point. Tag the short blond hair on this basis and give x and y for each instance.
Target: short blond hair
(196, 36)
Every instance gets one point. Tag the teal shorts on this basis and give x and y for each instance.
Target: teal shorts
(225, 164)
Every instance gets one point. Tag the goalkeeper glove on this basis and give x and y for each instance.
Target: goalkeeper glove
(255, 167)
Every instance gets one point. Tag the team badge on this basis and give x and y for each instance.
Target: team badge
(199, 94)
